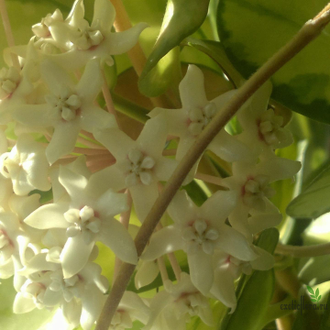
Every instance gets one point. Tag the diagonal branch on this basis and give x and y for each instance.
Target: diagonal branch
(307, 33)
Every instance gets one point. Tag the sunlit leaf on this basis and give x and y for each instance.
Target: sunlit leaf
(252, 31)
(254, 291)
(249, 312)
(314, 199)
(181, 19)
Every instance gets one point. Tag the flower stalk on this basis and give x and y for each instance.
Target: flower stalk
(8, 32)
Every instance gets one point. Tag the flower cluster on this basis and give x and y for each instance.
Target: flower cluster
(50, 104)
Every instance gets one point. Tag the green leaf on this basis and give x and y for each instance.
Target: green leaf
(319, 297)
(252, 31)
(249, 314)
(314, 199)
(130, 109)
(45, 196)
(260, 286)
(313, 300)
(182, 18)
(195, 192)
(268, 240)
(317, 292)
(310, 290)
(216, 52)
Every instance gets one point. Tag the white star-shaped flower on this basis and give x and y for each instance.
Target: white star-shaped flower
(227, 269)
(26, 165)
(174, 307)
(199, 231)
(87, 218)
(83, 42)
(263, 130)
(68, 108)
(139, 164)
(251, 182)
(195, 114)
(16, 85)
(130, 309)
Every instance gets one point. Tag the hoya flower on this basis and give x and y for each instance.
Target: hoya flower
(262, 129)
(195, 114)
(22, 206)
(26, 165)
(31, 295)
(68, 108)
(130, 309)
(78, 166)
(9, 248)
(199, 231)
(80, 296)
(139, 164)
(251, 182)
(83, 42)
(87, 218)
(41, 30)
(6, 187)
(227, 269)
(16, 85)
(173, 307)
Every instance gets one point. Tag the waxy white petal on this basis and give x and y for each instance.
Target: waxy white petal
(63, 140)
(201, 270)
(144, 197)
(110, 177)
(85, 89)
(116, 237)
(182, 209)
(110, 137)
(153, 136)
(104, 14)
(121, 42)
(234, 243)
(111, 203)
(92, 302)
(230, 148)
(55, 77)
(73, 183)
(192, 90)
(48, 216)
(75, 255)
(218, 207)
(23, 304)
(36, 115)
(164, 241)
(224, 289)
(146, 274)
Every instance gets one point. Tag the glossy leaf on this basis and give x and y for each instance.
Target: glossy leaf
(216, 51)
(314, 199)
(268, 240)
(249, 313)
(257, 287)
(252, 31)
(196, 193)
(182, 18)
